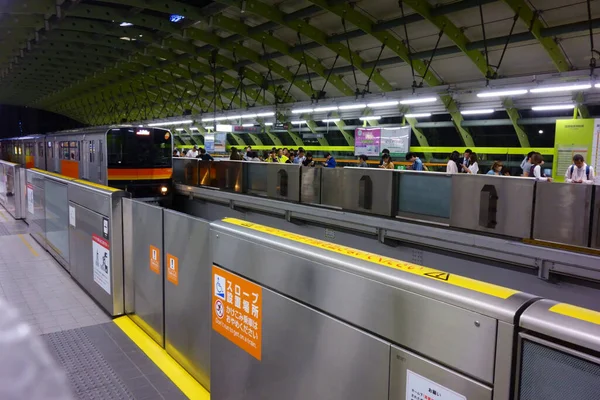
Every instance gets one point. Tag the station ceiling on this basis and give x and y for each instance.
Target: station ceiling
(128, 60)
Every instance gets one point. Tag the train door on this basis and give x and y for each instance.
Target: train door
(40, 160)
(85, 159)
(102, 163)
(57, 155)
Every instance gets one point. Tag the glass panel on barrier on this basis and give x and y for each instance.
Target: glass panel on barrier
(423, 194)
(257, 178)
(57, 217)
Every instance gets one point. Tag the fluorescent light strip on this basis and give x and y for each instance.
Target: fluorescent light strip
(266, 114)
(297, 122)
(418, 100)
(418, 115)
(323, 109)
(302, 111)
(179, 129)
(352, 106)
(233, 117)
(187, 121)
(370, 118)
(476, 112)
(502, 93)
(554, 107)
(246, 116)
(268, 124)
(331, 120)
(125, 24)
(382, 104)
(567, 88)
(247, 125)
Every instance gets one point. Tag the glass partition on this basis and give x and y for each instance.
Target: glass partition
(57, 217)
(425, 196)
(256, 178)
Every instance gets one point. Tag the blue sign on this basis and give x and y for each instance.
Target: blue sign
(176, 18)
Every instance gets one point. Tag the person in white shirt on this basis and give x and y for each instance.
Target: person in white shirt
(452, 166)
(536, 168)
(473, 167)
(193, 153)
(579, 171)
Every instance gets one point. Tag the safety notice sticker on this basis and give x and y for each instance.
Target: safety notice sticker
(101, 262)
(237, 311)
(30, 203)
(421, 388)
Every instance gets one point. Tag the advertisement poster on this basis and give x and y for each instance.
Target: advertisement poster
(220, 142)
(367, 141)
(396, 140)
(573, 136)
(209, 143)
(101, 262)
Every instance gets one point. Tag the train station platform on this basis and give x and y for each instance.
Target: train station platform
(101, 358)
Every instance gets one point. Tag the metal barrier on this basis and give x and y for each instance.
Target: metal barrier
(455, 332)
(13, 189)
(80, 224)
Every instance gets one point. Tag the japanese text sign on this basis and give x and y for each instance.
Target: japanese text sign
(237, 311)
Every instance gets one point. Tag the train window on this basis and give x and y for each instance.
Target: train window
(100, 149)
(74, 149)
(50, 150)
(40, 149)
(28, 149)
(92, 150)
(64, 150)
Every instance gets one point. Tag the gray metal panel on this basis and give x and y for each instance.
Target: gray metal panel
(310, 190)
(57, 220)
(147, 230)
(305, 355)
(332, 185)
(595, 240)
(283, 181)
(188, 304)
(228, 175)
(255, 178)
(368, 190)
(403, 363)
(573, 328)
(92, 198)
(562, 213)
(463, 337)
(37, 220)
(493, 204)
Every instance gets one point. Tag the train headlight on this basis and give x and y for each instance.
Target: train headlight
(164, 189)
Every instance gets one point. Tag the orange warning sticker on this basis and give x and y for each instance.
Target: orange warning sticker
(172, 269)
(237, 311)
(154, 259)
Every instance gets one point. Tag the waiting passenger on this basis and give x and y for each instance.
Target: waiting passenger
(282, 153)
(387, 162)
(252, 156)
(299, 159)
(329, 161)
(579, 172)
(246, 154)
(452, 166)
(204, 156)
(417, 164)
(273, 157)
(465, 160)
(473, 167)
(536, 168)
(175, 153)
(235, 154)
(496, 169)
(383, 152)
(308, 161)
(526, 163)
(362, 163)
(193, 153)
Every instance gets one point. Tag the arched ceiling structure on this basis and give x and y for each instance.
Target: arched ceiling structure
(128, 60)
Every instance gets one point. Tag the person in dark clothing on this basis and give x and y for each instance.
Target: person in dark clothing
(308, 161)
(465, 160)
(204, 156)
(383, 153)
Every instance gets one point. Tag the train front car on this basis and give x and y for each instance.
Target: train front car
(140, 161)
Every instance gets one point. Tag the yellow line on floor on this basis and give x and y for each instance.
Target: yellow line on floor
(31, 249)
(3, 216)
(179, 376)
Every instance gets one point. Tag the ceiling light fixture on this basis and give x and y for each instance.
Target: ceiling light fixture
(565, 88)
(383, 104)
(554, 107)
(370, 118)
(266, 114)
(476, 112)
(125, 24)
(331, 120)
(187, 121)
(502, 93)
(297, 122)
(246, 116)
(302, 111)
(418, 100)
(418, 115)
(247, 125)
(324, 109)
(268, 124)
(352, 106)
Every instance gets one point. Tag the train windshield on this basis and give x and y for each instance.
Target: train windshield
(139, 148)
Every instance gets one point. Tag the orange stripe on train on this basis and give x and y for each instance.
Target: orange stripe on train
(127, 174)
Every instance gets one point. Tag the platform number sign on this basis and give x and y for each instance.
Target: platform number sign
(105, 228)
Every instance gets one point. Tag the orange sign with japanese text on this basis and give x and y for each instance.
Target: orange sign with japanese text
(237, 311)
(154, 259)
(173, 269)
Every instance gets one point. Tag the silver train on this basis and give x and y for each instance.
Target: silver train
(137, 159)
(542, 213)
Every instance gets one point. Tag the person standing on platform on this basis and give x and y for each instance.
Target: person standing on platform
(473, 167)
(536, 168)
(465, 160)
(452, 166)
(579, 171)
(526, 163)
(329, 161)
(387, 162)
(496, 168)
(235, 154)
(417, 164)
(204, 156)
(308, 161)
(383, 152)
(283, 158)
(301, 157)
(193, 153)
(362, 163)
